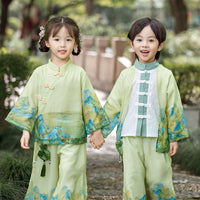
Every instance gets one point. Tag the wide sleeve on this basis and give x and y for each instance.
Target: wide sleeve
(113, 105)
(93, 114)
(177, 129)
(23, 114)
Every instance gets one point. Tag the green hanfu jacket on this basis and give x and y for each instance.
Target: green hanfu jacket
(58, 105)
(172, 124)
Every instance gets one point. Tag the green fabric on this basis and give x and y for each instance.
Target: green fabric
(172, 125)
(147, 173)
(148, 66)
(65, 174)
(141, 129)
(59, 105)
(44, 154)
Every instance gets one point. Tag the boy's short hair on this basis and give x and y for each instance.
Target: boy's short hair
(156, 26)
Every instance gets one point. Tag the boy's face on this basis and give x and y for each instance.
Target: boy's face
(146, 45)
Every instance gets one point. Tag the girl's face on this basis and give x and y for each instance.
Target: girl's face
(146, 45)
(61, 46)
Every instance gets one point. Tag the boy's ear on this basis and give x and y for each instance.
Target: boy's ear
(161, 46)
(131, 42)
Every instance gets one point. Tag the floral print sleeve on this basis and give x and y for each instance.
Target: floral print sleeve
(177, 129)
(112, 107)
(93, 114)
(23, 114)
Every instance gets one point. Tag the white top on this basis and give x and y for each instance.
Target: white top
(143, 113)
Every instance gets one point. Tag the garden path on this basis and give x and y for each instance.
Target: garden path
(105, 176)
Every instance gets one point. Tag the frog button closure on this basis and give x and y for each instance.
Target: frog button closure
(42, 99)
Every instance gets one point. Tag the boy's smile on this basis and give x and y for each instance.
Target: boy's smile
(146, 45)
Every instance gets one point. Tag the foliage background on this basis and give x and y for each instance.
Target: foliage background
(110, 18)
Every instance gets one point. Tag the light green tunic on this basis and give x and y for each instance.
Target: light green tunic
(172, 125)
(59, 105)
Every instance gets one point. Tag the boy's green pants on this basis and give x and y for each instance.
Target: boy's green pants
(65, 174)
(147, 174)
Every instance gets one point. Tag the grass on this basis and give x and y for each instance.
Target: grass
(15, 165)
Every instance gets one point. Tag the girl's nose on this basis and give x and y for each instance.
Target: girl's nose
(62, 43)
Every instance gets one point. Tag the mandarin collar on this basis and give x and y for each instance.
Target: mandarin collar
(148, 66)
(62, 68)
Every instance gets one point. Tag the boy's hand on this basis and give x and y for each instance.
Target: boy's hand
(97, 139)
(25, 140)
(173, 148)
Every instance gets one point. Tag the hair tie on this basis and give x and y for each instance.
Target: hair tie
(42, 32)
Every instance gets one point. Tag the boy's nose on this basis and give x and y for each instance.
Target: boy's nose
(145, 44)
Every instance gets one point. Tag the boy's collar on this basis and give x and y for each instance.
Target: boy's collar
(148, 66)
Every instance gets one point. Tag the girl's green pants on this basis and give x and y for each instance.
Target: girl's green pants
(65, 174)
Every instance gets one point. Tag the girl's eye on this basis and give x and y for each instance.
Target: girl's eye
(56, 39)
(138, 40)
(69, 39)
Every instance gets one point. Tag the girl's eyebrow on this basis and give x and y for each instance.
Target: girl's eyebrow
(68, 36)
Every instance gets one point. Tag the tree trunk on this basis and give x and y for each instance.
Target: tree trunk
(53, 10)
(179, 10)
(89, 6)
(4, 18)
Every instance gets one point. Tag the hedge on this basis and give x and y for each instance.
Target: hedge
(189, 152)
(187, 74)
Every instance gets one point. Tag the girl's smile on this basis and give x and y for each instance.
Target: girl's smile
(62, 51)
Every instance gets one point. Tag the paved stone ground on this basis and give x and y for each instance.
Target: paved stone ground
(105, 176)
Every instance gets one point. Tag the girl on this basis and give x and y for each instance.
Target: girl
(146, 105)
(60, 106)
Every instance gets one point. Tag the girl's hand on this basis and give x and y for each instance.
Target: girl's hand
(173, 148)
(97, 139)
(25, 140)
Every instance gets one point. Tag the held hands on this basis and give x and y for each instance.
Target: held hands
(97, 139)
(25, 140)
(173, 148)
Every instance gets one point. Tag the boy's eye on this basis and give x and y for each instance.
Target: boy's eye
(151, 40)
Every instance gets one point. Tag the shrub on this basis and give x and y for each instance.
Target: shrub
(15, 165)
(15, 173)
(189, 151)
(14, 71)
(187, 72)
(11, 190)
(15, 169)
(10, 140)
(184, 44)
